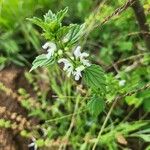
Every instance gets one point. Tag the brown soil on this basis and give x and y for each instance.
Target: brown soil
(13, 78)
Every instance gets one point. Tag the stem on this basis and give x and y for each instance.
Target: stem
(105, 122)
(63, 146)
(129, 114)
(141, 18)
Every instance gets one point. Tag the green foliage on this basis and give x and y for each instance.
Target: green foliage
(96, 105)
(41, 61)
(51, 22)
(74, 34)
(94, 78)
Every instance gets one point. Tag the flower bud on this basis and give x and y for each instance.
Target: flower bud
(60, 52)
(66, 48)
(55, 54)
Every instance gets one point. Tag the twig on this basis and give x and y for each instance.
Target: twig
(118, 11)
(141, 18)
(119, 62)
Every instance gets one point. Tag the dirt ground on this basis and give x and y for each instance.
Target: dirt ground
(13, 78)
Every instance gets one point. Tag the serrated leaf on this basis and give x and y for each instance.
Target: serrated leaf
(94, 77)
(96, 105)
(60, 15)
(75, 33)
(51, 22)
(41, 61)
(37, 21)
(49, 16)
(62, 32)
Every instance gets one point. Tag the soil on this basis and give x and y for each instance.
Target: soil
(13, 78)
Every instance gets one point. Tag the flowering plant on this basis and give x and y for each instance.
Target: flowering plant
(62, 48)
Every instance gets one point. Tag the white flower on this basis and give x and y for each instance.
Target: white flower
(67, 66)
(86, 62)
(33, 144)
(77, 72)
(81, 56)
(51, 48)
(122, 82)
(78, 53)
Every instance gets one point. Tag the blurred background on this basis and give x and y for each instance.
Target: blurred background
(118, 46)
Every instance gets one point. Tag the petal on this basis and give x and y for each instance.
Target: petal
(50, 53)
(46, 45)
(84, 54)
(62, 60)
(77, 77)
(49, 45)
(67, 64)
(31, 144)
(69, 71)
(86, 62)
(77, 52)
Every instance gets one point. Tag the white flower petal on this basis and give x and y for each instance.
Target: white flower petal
(49, 45)
(62, 60)
(50, 53)
(33, 144)
(66, 63)
(51, 48)
(77, 52)
(69, 71)
(122, 82)
(68, 67)
(86, 62)
(83, 55)
(46, 45)
(77, 72)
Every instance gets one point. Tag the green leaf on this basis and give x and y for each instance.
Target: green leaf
(51, 22)
(62, 32)
(96, 105)
(133, 100)
(94, 78)
(41, 61)
(49, 16)
(125, 46)
(37, 21)
(75, 33)
(61, 14)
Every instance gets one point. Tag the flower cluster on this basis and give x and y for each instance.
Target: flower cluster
(72, 65)
(77, 64)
